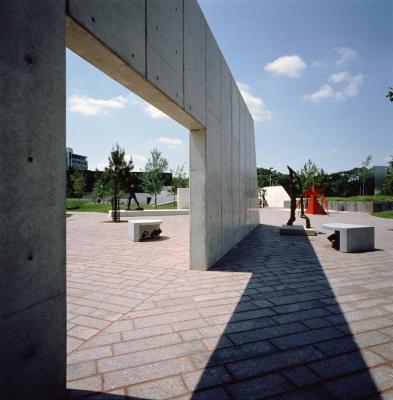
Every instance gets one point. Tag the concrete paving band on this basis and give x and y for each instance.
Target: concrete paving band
(165, 53)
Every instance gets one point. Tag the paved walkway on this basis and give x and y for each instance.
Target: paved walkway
(278, 317)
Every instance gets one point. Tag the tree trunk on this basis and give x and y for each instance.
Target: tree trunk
(155, 200)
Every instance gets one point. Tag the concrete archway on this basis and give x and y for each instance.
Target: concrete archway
(163, 52)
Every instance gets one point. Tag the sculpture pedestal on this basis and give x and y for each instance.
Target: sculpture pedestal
(299, 230)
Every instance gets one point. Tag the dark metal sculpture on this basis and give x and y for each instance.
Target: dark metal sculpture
(132, 195)
(293, 179)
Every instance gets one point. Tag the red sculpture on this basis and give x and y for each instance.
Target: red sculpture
(313, 205)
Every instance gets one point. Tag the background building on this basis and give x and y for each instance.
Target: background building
(75, 160)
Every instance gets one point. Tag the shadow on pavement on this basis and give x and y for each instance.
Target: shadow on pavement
(288, 337)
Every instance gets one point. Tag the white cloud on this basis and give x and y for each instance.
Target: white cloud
(320, 64)
(345, 56)
(348, 87)
(351, 84)
(154, 112)
(170, 141)
(290, 66)
(255, 104)
(323, 92)
(90, 106)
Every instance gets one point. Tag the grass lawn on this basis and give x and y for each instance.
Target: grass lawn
(383, 214)
(89, 206)
(378, 197)
(68, 215)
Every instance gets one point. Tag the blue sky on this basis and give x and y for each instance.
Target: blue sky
(314, 74)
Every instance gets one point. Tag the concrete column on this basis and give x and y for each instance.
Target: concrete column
(198, 203)
(32, 199)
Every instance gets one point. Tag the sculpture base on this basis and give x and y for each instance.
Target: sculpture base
(299, 230)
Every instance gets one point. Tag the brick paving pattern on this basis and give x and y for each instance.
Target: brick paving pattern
(278, 317)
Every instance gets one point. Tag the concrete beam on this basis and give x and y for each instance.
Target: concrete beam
(88, 45)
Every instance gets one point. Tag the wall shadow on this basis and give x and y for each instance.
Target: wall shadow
(75, 394)
(288, 337)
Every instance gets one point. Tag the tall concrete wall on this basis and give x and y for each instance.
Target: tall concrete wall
(169, 57)
(164, 52)
(32, 199)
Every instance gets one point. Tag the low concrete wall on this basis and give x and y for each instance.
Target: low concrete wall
(276, 196)
(361, 206)
(183, 198)
(149, 213)
(355, 206)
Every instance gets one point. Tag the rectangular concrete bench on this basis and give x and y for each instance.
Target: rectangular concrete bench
(351, 238)
(143, 229)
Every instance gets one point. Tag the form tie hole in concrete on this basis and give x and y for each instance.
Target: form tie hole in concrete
(156, 26)
(28, 352)
(30, 159)
(133, 55)
(93, 19)
(157, 77)
(28, 58)
(30, 257)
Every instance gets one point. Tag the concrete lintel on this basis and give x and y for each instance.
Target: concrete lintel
(83, 43)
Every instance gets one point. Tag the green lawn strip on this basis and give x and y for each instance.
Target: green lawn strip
(383, 214)
(68, 215)
(378, 197)
(89, 206)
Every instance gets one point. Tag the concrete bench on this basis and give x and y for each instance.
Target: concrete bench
(143, 229)
(351, 238)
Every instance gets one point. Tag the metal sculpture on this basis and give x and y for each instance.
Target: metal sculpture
(313, 206)
(293, 178)
(132, 195)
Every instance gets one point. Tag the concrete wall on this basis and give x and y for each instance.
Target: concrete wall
(166, 53)
(183, 198)
(276, 196)
(32, 199)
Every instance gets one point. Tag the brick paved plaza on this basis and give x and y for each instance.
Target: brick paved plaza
(278, 317)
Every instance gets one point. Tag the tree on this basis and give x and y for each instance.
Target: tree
(179, 180)
(390, 94)
(364, 170)
(387, 186)
(78, 182)
(152, 181)
(308, 173)
(118, 173)
(100, 187)
(267, 177)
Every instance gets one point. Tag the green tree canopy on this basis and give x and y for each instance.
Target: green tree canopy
(152, 180)
(100, 188)
(309, 173)
(117, 175)
(390, 94)
(78, 181)
(387, 186)
(179, 180)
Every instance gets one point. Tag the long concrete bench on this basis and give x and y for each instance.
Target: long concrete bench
(140, 229)
(350, 238)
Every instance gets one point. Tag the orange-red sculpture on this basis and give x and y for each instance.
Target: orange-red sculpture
(313, 205)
